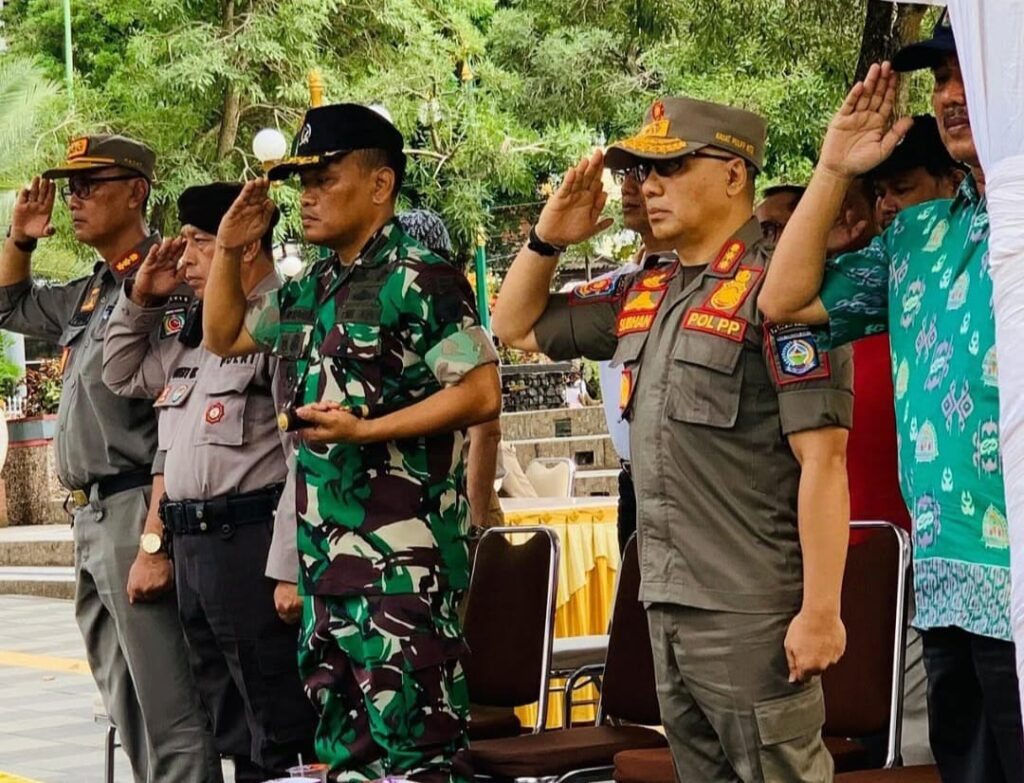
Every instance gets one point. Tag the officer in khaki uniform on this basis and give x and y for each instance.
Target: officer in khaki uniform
(224, 467)
(728, 420)
(104, 448)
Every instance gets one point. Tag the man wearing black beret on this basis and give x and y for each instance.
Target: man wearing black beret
(223, 465)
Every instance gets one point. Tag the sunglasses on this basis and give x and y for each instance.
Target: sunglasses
(83, 187)
(670, 167)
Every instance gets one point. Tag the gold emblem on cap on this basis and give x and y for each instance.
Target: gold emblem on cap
(653, 137)
(77, 148)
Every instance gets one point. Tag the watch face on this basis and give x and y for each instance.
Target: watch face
(151, 543)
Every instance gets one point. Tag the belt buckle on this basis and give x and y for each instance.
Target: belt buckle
(79, 498)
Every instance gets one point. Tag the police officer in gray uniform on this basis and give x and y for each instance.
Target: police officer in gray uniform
(104, 447)
(224, 468)
(730, 421)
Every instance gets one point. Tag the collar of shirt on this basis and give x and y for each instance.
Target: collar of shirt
(735, 249)
(966, 195)
(126, 266)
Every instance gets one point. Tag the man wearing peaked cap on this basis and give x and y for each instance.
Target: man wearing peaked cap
(926, 280)
(730, 421)
(105, 446)
(390, 366)
(223, 463)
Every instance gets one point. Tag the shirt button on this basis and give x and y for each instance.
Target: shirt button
(202, 526)
(199, 513)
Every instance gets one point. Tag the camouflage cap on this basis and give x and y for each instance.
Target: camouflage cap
(87, 153)
(680, 126)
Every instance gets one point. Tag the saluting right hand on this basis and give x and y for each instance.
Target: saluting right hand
(860, 136)
(33, 209)
(159, 275)
(249, 217)
(573, 213)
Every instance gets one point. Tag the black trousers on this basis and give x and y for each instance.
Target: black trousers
(242, 655)
(973, 707)
(627, 508)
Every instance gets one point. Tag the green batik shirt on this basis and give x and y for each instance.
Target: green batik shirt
(927, 281)
(386, 332)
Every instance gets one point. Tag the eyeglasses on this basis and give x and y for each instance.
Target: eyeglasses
(672, 166)
(82, 187)
(771, 229)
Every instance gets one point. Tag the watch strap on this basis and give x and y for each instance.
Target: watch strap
(542, 248)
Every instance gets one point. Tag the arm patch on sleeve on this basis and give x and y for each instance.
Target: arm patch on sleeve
(794, 355)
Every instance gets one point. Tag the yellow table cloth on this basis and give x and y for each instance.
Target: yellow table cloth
(589, 544)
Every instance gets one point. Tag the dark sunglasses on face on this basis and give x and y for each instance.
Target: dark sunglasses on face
(672, 166)
(82, 187)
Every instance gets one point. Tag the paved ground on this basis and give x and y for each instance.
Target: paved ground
(47, 698)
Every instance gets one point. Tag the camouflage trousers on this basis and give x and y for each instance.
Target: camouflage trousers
(384, 675)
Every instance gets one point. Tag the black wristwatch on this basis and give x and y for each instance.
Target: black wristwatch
(28, 246)
(542, 248)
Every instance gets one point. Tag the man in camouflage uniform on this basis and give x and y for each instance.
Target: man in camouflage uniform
(223, 462)
(391, 366)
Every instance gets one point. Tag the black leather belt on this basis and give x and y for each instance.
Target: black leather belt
(111, 485)
(221, 514)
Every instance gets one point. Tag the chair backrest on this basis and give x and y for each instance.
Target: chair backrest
(628, 690)
(510, 618)
(552, 477)
(864, 691)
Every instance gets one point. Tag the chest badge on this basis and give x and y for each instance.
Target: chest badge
(729, 295)
(215, 413)
(173, 323)
(91, 300)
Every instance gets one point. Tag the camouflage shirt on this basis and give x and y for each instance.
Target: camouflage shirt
(383, 333)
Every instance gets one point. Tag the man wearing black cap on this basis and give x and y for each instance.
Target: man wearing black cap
(223, 464)
(920, 169)
(391, 366)
(104, 447)
(926, 280)
(730, 424)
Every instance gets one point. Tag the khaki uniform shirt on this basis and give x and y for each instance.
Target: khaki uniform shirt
(217, 426)
(711, 397)
(98, 433)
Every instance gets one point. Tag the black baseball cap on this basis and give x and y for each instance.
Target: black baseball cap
(204, 206)
(922, 146)
(328, 132)
(929, 52)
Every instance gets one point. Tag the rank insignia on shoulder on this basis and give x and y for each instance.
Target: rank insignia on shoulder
(127, 263)
(604, 289)
(794, 354)
(700, 320)
(173, 323)
(729, 257)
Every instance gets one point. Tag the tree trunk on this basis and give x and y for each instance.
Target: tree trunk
(231, 110)
(888, 27)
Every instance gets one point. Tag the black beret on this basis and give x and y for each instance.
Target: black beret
(203, 206)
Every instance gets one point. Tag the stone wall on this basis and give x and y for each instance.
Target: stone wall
(34, 495)
(533, 387)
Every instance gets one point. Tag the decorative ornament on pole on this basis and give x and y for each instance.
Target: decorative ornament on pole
(316, 89)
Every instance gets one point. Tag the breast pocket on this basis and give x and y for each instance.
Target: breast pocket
(223, 418)
(704, 380)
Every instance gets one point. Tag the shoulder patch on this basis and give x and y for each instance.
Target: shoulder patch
(601, 290)
(794, 355)
(173, 322)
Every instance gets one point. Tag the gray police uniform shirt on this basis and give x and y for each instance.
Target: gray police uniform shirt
(711, 395)
(283, 560)
(217, 426)
(98, 433)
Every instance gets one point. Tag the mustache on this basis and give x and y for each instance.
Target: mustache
(958, 112)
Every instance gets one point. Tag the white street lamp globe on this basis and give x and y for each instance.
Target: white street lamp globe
(382, 110)
(290, 266)
(269, 144)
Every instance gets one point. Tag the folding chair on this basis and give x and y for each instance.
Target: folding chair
(552, 477)
(864, 691)
(509, 627)
(629, 703)
(924, 774)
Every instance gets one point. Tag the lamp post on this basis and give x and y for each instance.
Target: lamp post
(69, 70)
(480, 267)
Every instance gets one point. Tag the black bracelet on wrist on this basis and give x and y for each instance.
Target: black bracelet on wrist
(25, 246)
(542, 248)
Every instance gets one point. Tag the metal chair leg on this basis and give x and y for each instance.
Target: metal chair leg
(108, 756)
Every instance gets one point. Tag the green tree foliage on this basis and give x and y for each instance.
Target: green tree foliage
(495, 97)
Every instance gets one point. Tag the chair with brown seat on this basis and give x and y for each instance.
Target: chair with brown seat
(509, 627)
(924, 774)
(864, 691)
(628, 696)
(645, 766)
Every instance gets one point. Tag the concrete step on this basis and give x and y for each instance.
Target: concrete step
(589, 452)
(45, 581)
(36, 545)
(596, 482)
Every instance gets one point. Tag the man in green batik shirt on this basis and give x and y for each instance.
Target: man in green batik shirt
(389, 366)
(926, 280)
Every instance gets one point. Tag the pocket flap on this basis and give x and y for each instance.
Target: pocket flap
(231, 379)
(716, 353)
(356, 341)
(629, 349)
(791, 717)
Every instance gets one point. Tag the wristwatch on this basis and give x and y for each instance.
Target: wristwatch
(25, 246)
(152, 543)
(542, 248)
